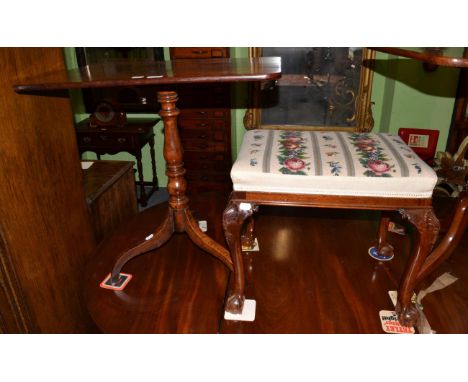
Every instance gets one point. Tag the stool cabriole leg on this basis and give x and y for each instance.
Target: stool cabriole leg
(247, 234)
(427, 228)
(383, 246)
(234, 217)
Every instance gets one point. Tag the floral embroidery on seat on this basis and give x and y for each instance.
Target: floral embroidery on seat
(292, 153)
(371, 155)
(417, 166)
(335, 168)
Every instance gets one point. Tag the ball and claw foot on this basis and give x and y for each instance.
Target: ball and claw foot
(235, 304)
(408, 316)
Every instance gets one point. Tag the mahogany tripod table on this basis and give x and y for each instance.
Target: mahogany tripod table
(113, 74)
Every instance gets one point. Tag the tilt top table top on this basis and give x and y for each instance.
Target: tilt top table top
(434, 56)
(120, 73)
(117, 73)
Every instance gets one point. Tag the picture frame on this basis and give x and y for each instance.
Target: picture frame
(320, 89)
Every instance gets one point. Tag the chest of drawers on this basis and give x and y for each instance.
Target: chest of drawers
(205, 127)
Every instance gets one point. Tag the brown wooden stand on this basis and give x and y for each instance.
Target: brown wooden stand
(179, 217)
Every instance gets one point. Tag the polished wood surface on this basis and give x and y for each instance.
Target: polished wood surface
(115, 73)
(306, 278)
(110, 193)
(45, 230)
(427, 57)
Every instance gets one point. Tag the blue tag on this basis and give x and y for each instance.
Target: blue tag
(377, 256)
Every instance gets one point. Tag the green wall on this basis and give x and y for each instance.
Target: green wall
(404, 95)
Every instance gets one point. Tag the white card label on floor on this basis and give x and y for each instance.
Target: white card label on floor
(248, 312)
(390, 324)
(255, 248)
(203, 224)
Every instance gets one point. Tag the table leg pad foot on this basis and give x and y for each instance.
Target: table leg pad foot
(124, 279)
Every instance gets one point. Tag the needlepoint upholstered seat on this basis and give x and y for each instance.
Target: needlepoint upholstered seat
(331, 163)
(331, 169)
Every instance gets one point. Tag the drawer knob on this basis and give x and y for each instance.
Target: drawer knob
(202, 136)
(121, 140)
(86, 139)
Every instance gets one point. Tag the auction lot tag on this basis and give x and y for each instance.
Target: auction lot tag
(390, 323)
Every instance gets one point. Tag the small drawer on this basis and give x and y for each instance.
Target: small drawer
(205, 135)
(205, 124)
(198, 52)
(204, 113)
(203, 156)
(203, 145)
(106, 140)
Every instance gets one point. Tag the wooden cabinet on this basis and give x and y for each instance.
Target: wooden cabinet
(205, 127)
(45, 230)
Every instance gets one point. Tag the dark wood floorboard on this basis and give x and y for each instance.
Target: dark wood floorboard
(311, 275)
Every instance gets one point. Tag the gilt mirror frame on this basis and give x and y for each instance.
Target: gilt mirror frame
(360, 119)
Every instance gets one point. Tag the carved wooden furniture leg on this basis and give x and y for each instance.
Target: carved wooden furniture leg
(247, 236)
(383, 246)
(427, 228)
(234, 217)
(179, 218)
(450, 240)
(155, 240)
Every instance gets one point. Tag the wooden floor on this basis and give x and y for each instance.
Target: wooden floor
(311, 275)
